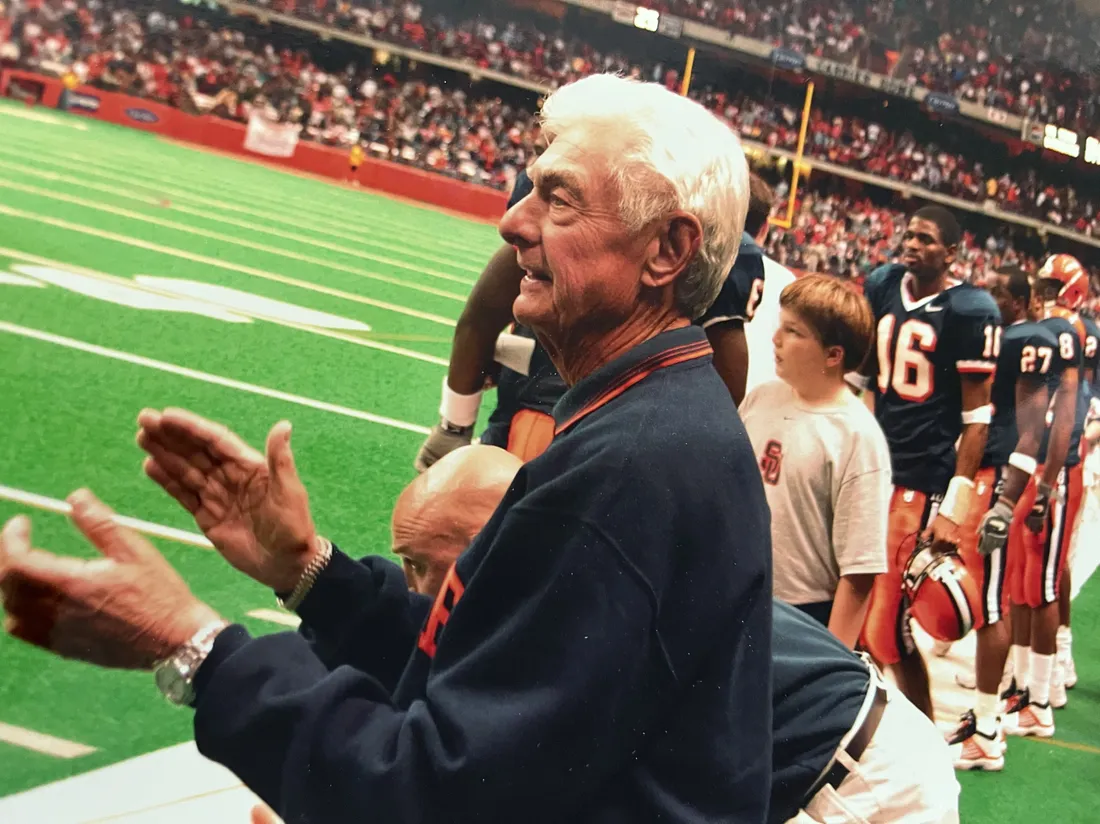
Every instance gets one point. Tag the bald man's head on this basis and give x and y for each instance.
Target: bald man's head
(440, 512)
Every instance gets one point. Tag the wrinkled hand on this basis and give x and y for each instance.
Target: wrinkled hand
(253, 508)
(1037, 519)
(993, 530)
(944, 534)
(441, 442)
(127, 609)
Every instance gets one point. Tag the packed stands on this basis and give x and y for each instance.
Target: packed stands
(166, 54)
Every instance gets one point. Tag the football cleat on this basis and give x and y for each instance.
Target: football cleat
(1033, 720)
(973, 749)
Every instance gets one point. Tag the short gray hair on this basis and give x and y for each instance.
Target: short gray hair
(678, 140)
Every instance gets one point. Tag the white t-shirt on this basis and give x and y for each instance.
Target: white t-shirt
(761, 329)
(826, 473)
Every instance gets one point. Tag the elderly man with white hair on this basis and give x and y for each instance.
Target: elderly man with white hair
(601, 652)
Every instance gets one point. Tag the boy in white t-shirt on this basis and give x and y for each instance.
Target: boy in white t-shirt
(823, 457)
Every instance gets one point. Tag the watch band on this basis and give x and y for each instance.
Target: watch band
(175, 675)
(309, 577)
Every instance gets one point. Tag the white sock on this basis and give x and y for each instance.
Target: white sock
(1042, 668)
(1020, 660)
(986, 713)
(1065, 642)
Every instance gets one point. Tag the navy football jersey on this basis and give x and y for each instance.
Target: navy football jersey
(541, 387)
(923, 348)
(1092, 351)
(1028, 350)
(1071, 352)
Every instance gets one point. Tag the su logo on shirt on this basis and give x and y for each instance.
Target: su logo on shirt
(445, 603)
(771, 462)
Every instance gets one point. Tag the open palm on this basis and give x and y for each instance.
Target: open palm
(252, 507)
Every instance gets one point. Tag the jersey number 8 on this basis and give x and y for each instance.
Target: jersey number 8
(1066, 347)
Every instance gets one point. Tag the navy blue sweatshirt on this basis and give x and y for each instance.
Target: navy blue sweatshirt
(601, 652)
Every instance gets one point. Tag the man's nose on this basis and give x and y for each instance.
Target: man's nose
(519, 226)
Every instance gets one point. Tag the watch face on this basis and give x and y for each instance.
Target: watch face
(172, 684)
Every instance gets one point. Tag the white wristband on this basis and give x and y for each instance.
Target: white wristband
(956, 503)
(1026, 464)
(460, 410)
(983, 414)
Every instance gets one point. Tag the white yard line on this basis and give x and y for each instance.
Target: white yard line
(314, 330)
(273, 616)
(42, 743)
(283, 202)
(233, 267)
(230, 239)
(170, 202)
(206, 377)
(180, 536)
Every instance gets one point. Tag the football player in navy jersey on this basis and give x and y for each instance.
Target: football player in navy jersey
(528, 385)
(1020, 395)
(932, 375)
(1054, 500)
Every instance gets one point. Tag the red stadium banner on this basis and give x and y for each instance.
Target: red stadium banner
(229, 136)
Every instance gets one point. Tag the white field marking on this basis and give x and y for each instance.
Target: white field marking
(40, 117)
(160, 193)
(275, 617)
(233, 267)
(264, 196)
(129, 194)
(477, 253)
(10, 279)
(313, 330)
(247, 244)
(206, 377)
(42, 743)
(353, 202)
(180, 536)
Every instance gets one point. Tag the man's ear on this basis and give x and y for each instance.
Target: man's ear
(949, 258)
(675, 246)
(834, 356)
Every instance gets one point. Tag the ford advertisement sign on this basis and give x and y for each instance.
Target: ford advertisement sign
(142, 115)
(941, 103)
(788, 59)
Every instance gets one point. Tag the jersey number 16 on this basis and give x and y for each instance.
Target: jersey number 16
(909, 371)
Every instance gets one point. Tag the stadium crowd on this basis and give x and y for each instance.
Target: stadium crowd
(483, 140)
(184, 62)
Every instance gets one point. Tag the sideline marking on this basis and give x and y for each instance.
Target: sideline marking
(41, 743)
(275, 617)
(180, 536)
(206, 377)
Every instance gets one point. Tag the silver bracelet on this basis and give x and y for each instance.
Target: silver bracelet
(309, 577)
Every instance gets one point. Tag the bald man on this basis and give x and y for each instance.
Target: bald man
(440, 512)
(847, 748)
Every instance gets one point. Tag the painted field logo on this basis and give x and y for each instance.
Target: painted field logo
(142, 115)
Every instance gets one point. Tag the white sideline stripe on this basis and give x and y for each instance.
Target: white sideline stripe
(263, 195)
(206, 377)
(285, 619)
(150, 200)
(233, 267)
(113, 162)
(315, 330)
(218, 236)
(42, 743)
(180, 536)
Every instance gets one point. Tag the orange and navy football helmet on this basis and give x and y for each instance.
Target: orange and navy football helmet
(943, 597)
(1074, 280)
